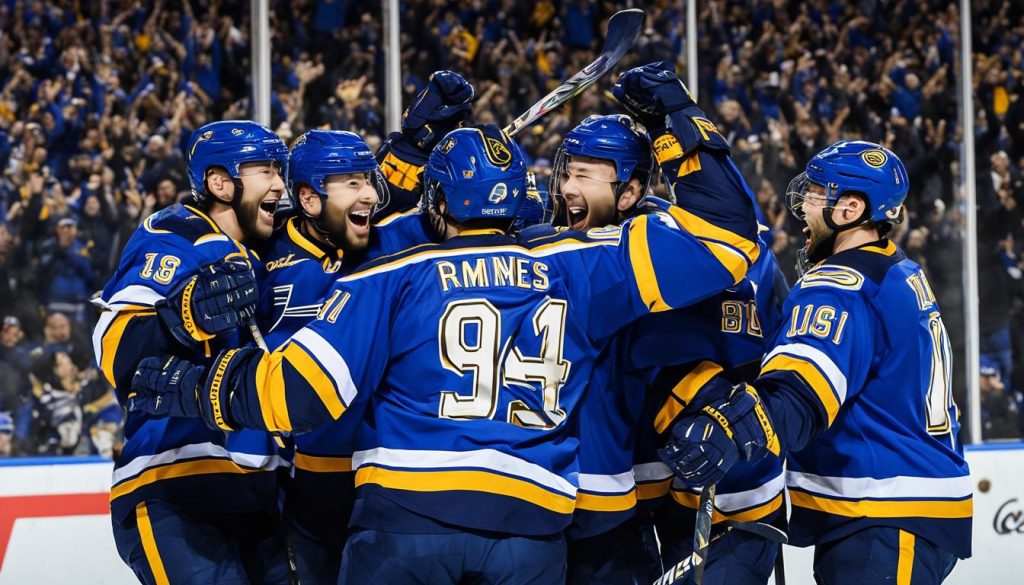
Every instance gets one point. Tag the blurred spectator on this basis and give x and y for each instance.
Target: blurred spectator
(65, 271)
(6, 434)
(1000, 408)
(57, 424)
(59, 335)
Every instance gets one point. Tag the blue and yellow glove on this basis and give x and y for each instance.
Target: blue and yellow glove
(651, 92)
(705, 445)
(438, 109)
(218, 298)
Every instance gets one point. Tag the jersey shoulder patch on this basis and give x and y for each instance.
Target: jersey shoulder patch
(834, 276)
(185, 222)
(872, 261)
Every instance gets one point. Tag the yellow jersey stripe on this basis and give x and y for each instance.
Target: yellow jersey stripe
(461, 480)
(813, 377)
(643, 266)
(653, 490)
(684, 392)
(691, 501)
(316, 377)
(392, 217)
(604, 502)
(737, 252)
(176, 470)
(321, 464)
(404, 257)
(213, 224)
(905, 562)
(887, 250)
(156, 564)
(112, 339)
(884, 508)
(270, 393)
(302, 241)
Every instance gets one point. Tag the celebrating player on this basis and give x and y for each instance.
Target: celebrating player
(190, 504)
(857, 384)
(475, 353)
(337, 184)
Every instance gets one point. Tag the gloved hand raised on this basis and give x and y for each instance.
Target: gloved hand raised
(218, 298)
(438, 109)
(651, 92)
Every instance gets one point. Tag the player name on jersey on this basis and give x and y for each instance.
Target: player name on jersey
(495, 271)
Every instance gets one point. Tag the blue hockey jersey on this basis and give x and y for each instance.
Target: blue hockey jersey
(858, 383)
(477, 352)
(175, 459)
(300, 273)
(727, 335)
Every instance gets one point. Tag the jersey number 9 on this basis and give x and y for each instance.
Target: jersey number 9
(482, 356)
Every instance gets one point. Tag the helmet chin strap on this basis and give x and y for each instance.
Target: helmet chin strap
(807, 258)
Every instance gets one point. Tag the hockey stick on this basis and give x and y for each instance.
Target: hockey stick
(702, 532)
(679, 572)
(623, 28)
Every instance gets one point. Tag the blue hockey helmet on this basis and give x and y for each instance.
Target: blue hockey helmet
(855, 167)
(536, 207)
(228, 145)
(481, 173)
(614, 138)
(318, 154)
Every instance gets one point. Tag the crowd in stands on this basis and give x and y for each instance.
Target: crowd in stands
(98, 97)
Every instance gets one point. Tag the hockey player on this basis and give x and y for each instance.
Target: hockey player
(857, 384)
(475, 352)
(440, 107)
(337, 184)
(605, 537)
(190, 504)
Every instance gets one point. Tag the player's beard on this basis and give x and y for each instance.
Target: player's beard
(253, 229)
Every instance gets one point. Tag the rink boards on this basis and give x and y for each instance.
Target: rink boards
(55, 522)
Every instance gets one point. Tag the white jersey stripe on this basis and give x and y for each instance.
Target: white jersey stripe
(889, 488)
(196, 450)
(484, 459)
(330, 360)
(832, 373)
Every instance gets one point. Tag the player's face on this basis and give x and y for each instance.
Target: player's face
(817, 231)
(588, 185)
(350, 202)
(262, 187)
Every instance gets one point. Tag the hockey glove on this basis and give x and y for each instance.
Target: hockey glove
(218, 298)
(652, 92)
(438, 109)
(167, 386)
(706, 445)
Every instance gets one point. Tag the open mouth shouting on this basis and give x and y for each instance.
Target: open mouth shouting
(577, 210)
(359, 220)
(267, 209)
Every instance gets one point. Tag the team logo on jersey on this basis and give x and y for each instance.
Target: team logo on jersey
(205, 136)
(497, 152)
(498, 193)
(874, 158)
(447, 146)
